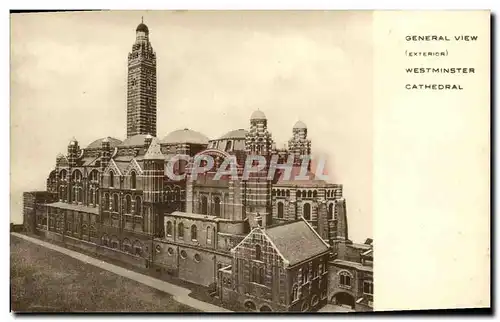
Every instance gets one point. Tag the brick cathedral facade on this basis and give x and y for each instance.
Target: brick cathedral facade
(267, 244)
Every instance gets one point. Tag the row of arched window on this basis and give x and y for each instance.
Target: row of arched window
(306, 211)
(133, 179)
(307, 194)
(77, 175)
(216, 206)
(301, 193)
(135, 248)
(194, 232)
(128, 209)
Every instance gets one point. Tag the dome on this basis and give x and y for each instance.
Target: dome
(235, 134)
(258, 115)
(136, 140)
(185, 136)
(97, 143)
(142, 27)
(300, 125)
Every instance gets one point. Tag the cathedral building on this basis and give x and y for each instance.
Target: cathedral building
(267, 243)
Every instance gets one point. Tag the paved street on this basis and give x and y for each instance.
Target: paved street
(179, 294)
(335, 308)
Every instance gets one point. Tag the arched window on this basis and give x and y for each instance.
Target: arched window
(94, 175)
(309, 194)
(115, 202)
(204, 205)
(138, 206)
(258, 275)
(258, 252)
(177, 193)
(137, 248)
(127, 246)
(85, 230)
(279, 193)
(330, 211)
(93, 231)
(288, 193)
(168, 195)
(97, 196)
(305, 275)
(169, 228)
(111, 179)
(345, 279)
(209, 235)
(307, 212)
(180, 229)
(194, 232)
(106, 202)
(280, 210)
(128, 204)
(295, 293)
(91, 196)
(77, 175)
(105, 240)
(217, 206)
(62, 174)
(299, 194)
(132, 180)
(229, 145)
(80, 195)
(115, 243)
(315, 194)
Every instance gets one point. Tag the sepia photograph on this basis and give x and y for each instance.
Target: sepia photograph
(191, 161)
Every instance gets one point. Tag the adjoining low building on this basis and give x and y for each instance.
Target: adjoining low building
(278, 268)
(351, 276)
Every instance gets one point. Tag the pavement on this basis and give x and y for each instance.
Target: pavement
(335, 308)
(180, 294)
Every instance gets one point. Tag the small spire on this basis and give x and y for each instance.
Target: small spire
(142, 19)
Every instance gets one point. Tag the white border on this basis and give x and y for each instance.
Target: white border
(188, 4)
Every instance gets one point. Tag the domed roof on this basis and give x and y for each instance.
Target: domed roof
(185, 136)
(235, 134)
(97, 143)
(258, 115)
(136, 140)
(142, 27)
(300, 125)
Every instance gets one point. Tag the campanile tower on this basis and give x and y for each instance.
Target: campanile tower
(141, 86)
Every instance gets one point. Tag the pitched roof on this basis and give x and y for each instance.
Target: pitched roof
(296, 241)
(154, 151)
(68, 206)
(122, 166)
(355, 265)
(89, 161)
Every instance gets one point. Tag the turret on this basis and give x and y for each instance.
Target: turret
(105, 153)
(259, 143)
(154, 172)
(299, 145)
(73, 150)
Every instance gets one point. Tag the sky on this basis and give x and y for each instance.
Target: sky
(68, 79)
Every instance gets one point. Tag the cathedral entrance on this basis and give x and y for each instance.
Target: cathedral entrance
(250, 306)
(265, 308)
(343, 299)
